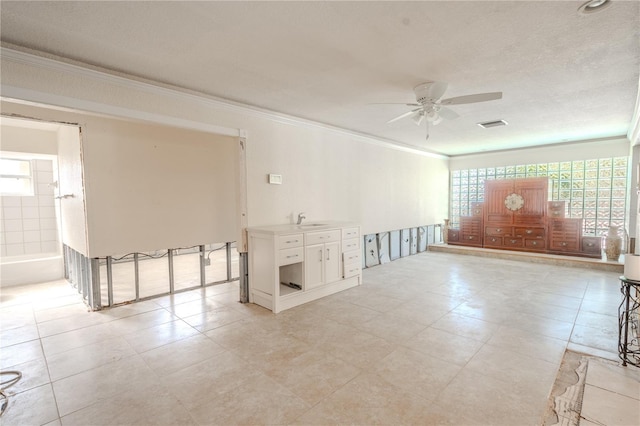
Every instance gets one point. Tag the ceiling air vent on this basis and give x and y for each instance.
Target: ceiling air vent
(496, 123)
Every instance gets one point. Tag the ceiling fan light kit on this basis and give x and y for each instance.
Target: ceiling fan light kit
(430, 105)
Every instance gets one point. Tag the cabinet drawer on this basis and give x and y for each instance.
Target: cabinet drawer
(498, 230)
(529, 232)
(351, 257)
(556, 205)
(289, 256)
(351, 269)
(564, 245)
(471, 238)
(566, 225)
(535, 244)
(512, 242)
(454, 235)
(493, 241)
(555, 209)
(592, 245)
(350, 233)
(290, 241)
(476, 209)
(322, 237)
(352, 244)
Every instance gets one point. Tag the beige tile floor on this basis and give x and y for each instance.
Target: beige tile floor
(434, 338)
(611, 394)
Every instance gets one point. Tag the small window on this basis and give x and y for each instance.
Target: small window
(15, 177)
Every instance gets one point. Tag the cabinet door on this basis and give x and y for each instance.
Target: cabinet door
(332, 270)
(313, 264)
(495, 192)
(534, 191)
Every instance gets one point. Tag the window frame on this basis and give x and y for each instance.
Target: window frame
(30, 191)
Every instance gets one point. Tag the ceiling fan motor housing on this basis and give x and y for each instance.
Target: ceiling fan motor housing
(429, 92)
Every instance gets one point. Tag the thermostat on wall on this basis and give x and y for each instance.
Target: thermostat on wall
(275, 179)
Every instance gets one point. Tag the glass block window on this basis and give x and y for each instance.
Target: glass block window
(15, 177)
(593, 190)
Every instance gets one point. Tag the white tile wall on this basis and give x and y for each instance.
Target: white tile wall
(28, 225)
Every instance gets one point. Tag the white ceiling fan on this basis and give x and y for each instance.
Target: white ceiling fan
(430, 105)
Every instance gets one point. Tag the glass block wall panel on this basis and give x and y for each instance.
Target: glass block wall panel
(593, 190)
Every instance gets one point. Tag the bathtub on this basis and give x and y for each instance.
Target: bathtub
(31, 269)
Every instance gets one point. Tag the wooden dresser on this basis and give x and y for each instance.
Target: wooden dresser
(516, 215)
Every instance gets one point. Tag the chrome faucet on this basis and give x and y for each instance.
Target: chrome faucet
(300, 217)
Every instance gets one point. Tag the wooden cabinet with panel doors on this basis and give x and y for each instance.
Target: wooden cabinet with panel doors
(517, 215)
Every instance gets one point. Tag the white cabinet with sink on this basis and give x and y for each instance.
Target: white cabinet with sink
(294, 264)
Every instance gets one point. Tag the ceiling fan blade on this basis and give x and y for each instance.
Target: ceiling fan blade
(401, 116)
(448, 113)
(469, 99)
(394, 103)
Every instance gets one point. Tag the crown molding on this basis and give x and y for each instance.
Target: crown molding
(153, 88)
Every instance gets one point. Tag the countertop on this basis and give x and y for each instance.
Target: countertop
(315, 225)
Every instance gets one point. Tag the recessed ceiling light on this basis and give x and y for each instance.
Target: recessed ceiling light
(594, 6)
(494, 123)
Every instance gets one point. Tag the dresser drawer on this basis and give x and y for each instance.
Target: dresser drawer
(350, 233)
(536, 244)
(555, 209)
(471, 238)
(556, 213)
(322, 237)
(351, 244)
(351, 257)
(476, 209)
(564, 245)
(592, 245)
(499, 230)
(529, 232)
(556, 205)
(351, 269)
(493, 241)
(289, 256)
(290, 241)
(512, 242)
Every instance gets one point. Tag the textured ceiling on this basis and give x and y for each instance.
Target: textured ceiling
(564, 76)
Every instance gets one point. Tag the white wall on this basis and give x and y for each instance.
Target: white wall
(586, 150)
(73, 213)
(327, 173)
(141, 186)
(337, 177)
(21, 139)
(152, 187)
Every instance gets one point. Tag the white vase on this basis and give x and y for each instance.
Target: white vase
(445, 231)
(613, 244)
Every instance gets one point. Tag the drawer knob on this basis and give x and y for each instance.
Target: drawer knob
(514, 241)
(564, 244)
(529, 231)
(590, 244)
(535, 243)
(498, 230)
